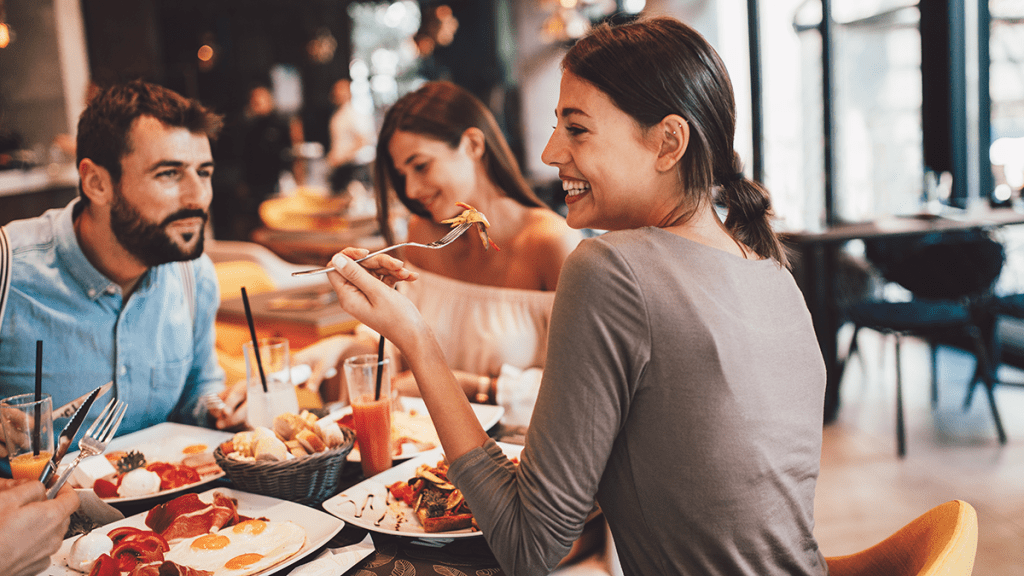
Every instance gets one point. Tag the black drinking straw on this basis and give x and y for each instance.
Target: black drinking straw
(255, 343)
(380, 367)
(39, 396)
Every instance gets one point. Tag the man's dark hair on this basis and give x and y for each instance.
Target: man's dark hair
(104, 125)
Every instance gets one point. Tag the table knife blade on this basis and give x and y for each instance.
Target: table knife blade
(68, 435)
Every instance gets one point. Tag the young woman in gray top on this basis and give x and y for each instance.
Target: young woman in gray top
(684, 386)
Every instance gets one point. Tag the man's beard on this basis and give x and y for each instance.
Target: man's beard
(150, 242)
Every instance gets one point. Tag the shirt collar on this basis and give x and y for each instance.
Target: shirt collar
(93, 283)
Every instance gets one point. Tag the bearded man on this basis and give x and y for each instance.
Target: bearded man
(115, 284)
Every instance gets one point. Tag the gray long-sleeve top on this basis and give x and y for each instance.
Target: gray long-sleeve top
(683, 391)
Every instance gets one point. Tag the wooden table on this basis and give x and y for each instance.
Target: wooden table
(818, 274)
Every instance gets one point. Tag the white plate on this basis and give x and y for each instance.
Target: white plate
(320, 527)
(166, 442)
(369, 505)
(487, 414)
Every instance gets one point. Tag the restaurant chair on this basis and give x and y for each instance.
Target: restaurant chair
(950, 276)
(273, 266)
(1007, 306)
(943, 541)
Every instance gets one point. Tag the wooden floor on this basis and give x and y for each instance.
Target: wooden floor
(865, 492)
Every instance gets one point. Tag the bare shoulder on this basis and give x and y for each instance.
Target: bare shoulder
(549, 241)
(547, 231)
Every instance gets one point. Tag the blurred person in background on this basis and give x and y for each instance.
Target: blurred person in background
(350, 133)
(266, 153)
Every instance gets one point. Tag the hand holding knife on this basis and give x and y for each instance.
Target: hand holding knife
(68, 434)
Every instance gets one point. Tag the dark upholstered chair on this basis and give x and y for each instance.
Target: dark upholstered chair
(950, 276)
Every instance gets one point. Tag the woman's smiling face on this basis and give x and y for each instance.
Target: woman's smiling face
(605, 161)
(436, 175)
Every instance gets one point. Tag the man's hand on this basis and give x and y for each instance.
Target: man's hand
(230, 413)
(33, 527)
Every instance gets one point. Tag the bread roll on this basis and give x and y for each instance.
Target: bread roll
(270, 448)
(309, 418)
(311, 442)
(244, 442)
(288, 425)
(330, 432)
(295, 447)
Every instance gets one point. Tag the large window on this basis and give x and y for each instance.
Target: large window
(876, 106)
(1006, 76)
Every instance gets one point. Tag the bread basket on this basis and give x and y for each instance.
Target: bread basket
(307, 480)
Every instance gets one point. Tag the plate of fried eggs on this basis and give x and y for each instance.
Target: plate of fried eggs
(277, 534)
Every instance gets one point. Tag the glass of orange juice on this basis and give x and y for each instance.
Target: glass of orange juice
(28, 428)
(371, 410)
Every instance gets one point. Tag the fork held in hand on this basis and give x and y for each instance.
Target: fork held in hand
(95, 440)
(441, 243)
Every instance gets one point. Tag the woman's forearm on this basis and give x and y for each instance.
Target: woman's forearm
(457, 425)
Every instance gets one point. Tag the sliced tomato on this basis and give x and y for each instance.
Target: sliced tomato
(405, 492)
(118, 534)
(105, 488)
(105, 566)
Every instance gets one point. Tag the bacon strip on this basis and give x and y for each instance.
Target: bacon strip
(188, 516)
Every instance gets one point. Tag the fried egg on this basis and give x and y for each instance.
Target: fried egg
(245, 548)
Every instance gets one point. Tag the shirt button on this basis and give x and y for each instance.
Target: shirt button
(92, 293)
(111, 290)
(123, 370)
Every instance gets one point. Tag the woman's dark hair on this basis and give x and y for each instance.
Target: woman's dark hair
(104, 125)
(443, 111)
(654, 67)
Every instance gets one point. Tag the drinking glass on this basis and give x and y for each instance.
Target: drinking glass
(371, 410)
(28, 428)
(279, 396)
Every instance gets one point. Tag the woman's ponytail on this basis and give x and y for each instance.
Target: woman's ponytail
(749, 214)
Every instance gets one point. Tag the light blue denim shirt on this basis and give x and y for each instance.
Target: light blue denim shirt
(161, 361)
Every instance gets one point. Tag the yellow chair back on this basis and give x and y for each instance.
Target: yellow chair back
(943, 540)
(233, 275)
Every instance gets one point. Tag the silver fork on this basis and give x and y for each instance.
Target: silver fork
(95, 440)
(440, 243)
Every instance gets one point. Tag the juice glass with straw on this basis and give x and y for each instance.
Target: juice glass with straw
(370, 397)
(28, 428)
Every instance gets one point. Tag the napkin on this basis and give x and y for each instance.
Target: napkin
(334, 561)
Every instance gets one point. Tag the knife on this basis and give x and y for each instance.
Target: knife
(67, 410)
(68, 435)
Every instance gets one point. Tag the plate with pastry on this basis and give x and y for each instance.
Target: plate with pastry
(412, 499)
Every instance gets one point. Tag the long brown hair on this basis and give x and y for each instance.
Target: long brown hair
(443, 111)
(654, 67)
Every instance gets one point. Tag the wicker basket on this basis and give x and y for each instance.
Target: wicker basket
(308, 480)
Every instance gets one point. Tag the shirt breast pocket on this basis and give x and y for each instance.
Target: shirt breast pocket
(170, 375)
